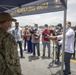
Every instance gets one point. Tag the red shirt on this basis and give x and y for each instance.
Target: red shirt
(46, 32)
(25, 37)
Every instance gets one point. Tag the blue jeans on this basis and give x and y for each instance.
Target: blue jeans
(25, 42)
(29, 48)
(37, 45)
(20, 46)
(67, 58)
(58, 52)
(46, 43)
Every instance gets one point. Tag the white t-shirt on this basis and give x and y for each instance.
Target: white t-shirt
(69, 40)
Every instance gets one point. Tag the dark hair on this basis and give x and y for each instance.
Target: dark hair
(16, 22)
(46, 25)
(69, 22)
(36, 25)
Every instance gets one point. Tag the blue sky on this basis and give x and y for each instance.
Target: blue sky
(51, 18)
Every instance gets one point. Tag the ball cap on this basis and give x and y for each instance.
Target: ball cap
(6, 17)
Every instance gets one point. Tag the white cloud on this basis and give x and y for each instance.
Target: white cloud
(71, 1)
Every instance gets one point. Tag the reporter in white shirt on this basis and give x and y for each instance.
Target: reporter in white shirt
(69, 46)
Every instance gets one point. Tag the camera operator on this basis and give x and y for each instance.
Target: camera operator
(58, 32)
(46, 40)
(35, 40)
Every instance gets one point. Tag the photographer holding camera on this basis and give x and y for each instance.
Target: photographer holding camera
(58, 32)
(46, 40)
(35, 40)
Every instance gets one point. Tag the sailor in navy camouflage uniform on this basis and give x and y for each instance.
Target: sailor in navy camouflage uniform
(9, 60)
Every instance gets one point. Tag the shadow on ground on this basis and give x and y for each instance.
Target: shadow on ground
(57, 73)
(45, 57)
(53, 64)
(32, 58)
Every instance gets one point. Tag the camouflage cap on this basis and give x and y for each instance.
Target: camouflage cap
(6, 17)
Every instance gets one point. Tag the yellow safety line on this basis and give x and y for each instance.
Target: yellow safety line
(60, 56)
(72, 60)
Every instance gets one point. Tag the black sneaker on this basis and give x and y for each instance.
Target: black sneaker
(48, 56)
(68, 73)
(22, 57)
(33, 55)
(25, 50)
(43, 56)
(57, 62)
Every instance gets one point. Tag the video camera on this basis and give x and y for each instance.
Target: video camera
(34, 29)
(59, 26)
(46, 35)
(34, 32)
(58, 29)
